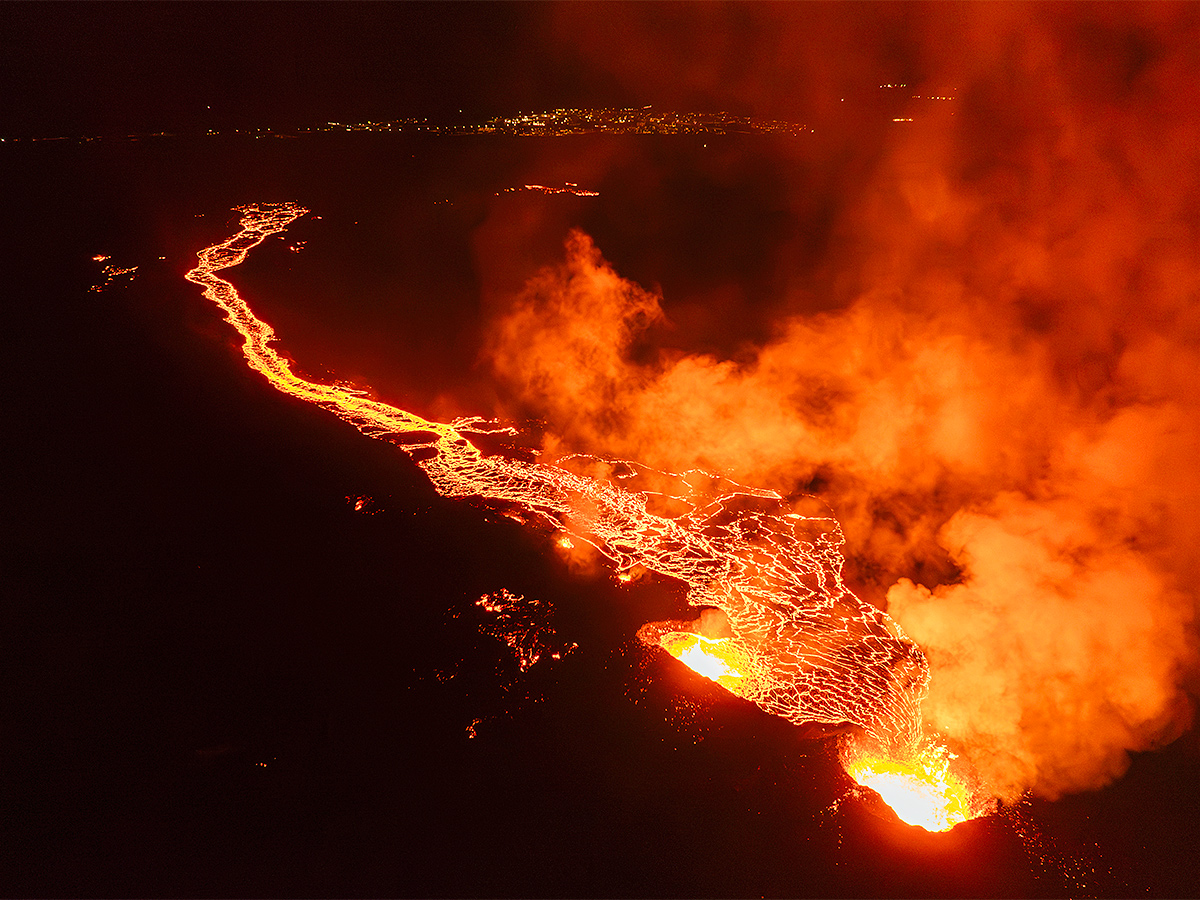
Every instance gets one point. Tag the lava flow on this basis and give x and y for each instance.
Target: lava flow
(714, 658)
(921, 789)
(795, 640)
(917, 783)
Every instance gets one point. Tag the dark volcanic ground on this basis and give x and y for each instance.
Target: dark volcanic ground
(220, 680)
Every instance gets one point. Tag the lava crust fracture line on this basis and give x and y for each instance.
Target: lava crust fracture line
(807, 648)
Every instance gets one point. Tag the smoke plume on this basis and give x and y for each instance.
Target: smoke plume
(998, 400)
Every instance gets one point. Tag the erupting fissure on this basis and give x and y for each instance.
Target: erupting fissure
(799, 644)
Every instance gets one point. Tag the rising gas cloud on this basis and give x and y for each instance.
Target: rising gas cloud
(998, 400)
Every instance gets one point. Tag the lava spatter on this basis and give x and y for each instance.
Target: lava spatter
(921, 788)
(521, 623)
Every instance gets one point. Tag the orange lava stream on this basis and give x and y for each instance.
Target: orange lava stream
(920, 788)
(714, 658)
(800, 644)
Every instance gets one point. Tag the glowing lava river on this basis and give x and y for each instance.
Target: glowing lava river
(789, 636)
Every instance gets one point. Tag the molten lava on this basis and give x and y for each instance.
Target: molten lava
(800, 644)
(521, 624)
(921, 789)
(714, 658)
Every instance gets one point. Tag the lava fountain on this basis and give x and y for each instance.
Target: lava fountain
(795, 640)
(714, 658)
(920, 788)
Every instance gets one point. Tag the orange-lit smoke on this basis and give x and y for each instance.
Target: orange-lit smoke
(1001, 408)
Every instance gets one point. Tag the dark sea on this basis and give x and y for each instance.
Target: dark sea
(221, 679)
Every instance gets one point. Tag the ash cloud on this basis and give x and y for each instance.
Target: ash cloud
(989, 368)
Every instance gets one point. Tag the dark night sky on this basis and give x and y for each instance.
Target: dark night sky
(218, 680)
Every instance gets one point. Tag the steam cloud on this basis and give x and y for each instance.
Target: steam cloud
(999, 399)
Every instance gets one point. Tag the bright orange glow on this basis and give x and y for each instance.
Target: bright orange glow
(921, 789)
(807, 649)
(714, 658)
